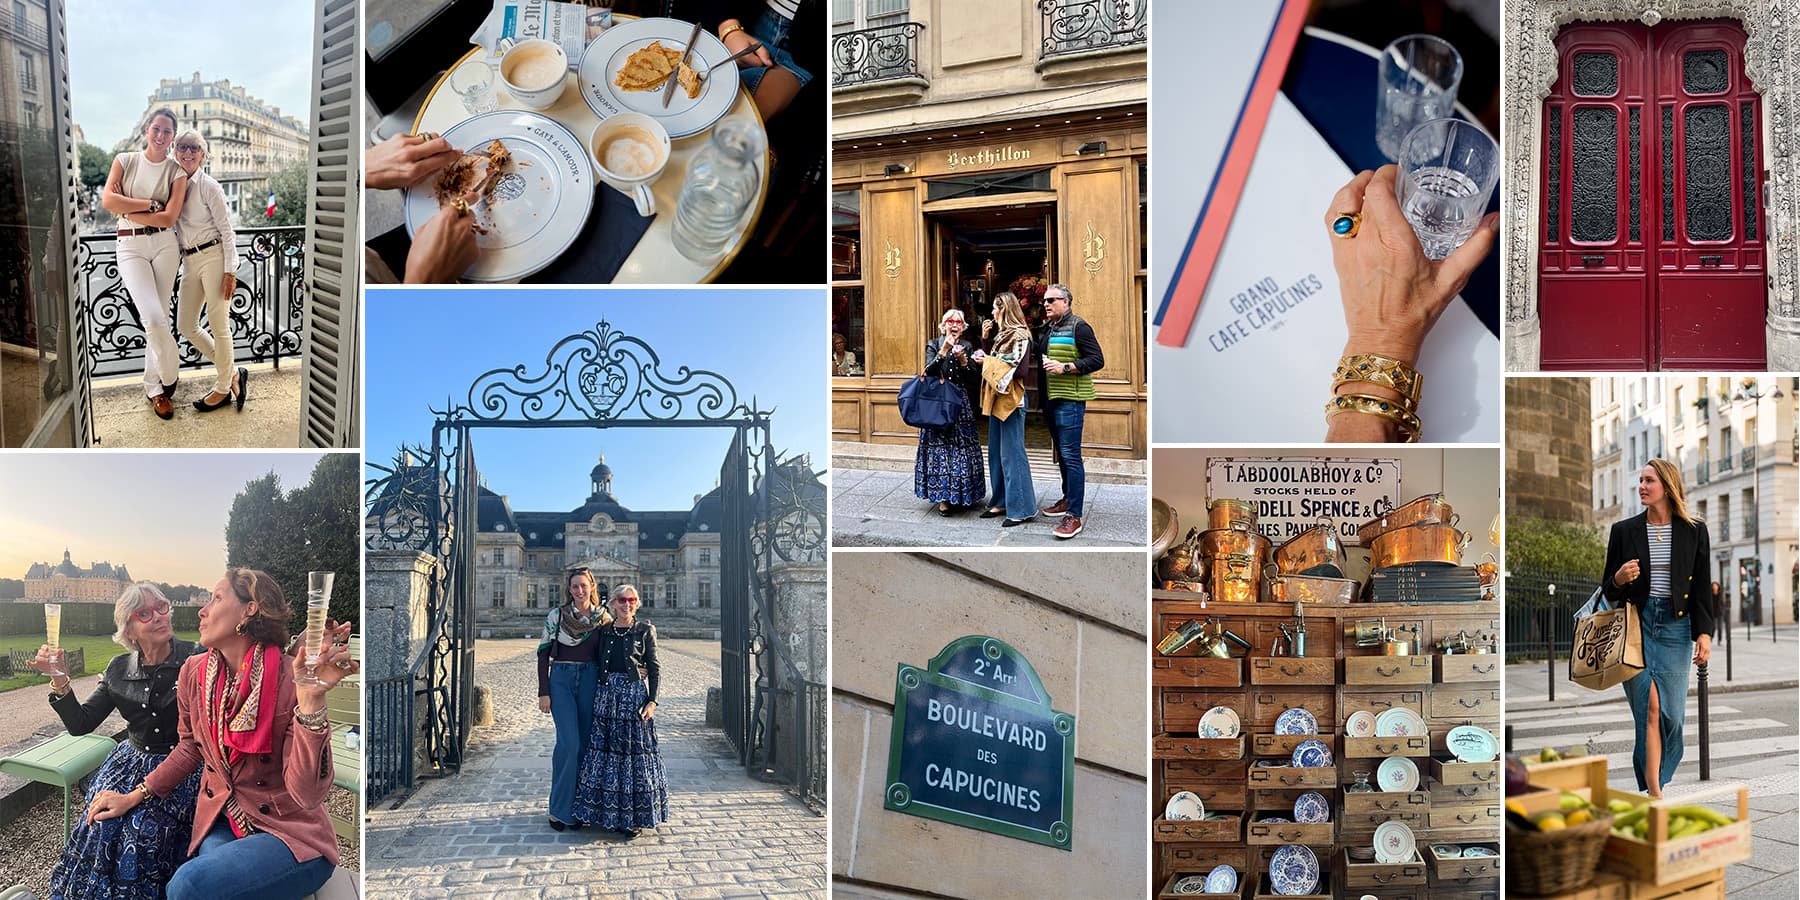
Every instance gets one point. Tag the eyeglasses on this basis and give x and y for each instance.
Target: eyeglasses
(146, 613)
(624, 598)
(187, 148)
(1048, 298)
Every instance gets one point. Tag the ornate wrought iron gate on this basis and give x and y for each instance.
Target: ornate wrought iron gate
(1652, 248)
(598, 379)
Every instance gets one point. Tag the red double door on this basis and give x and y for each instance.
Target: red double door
(1651, 233)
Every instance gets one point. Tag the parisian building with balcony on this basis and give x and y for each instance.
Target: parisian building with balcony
(1736, 442)
(249, 139)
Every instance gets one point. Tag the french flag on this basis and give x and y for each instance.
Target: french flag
(270, 212)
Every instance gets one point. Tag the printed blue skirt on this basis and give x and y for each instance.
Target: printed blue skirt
(622, 783)
(1668, 658)
(948, 467)
(134, 856)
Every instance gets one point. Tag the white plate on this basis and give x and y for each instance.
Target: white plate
(1399, 722)
(1397, 773)
(1393, 842)
(683, 116)
(1185, 806)
(537, 210)
(1361, 724)
(1472, 744)
(1219, 722)
(1191, 884)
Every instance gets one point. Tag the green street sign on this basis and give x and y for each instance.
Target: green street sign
(976, 744)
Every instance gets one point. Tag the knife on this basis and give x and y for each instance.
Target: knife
(669, 91)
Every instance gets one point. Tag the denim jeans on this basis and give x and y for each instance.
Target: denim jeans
(572, 709)
(1065, 418)
(1009, 472)
(1668, 654)
(256, 866)
(772, 31)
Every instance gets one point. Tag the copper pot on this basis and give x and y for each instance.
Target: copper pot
(1235, 578)
(1418, 543)
(1316, 551)
(1238, 539)
(1229, 513)
(1429, 509)
(1311, 589)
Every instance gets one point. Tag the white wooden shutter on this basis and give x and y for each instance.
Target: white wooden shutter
(74, 324)
(331, 374)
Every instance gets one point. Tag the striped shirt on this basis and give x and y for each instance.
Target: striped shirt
(1661, 538)
(786, 9)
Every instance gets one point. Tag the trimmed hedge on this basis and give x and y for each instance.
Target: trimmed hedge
(89, 617)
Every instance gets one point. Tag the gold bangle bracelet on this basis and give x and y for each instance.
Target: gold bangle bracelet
(1404, 419)
(1382, 372)
(729, 30)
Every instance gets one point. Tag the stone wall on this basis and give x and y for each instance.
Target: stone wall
(1549, 460)
(1080, 618)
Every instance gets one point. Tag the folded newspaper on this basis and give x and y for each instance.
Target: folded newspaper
(519, 20)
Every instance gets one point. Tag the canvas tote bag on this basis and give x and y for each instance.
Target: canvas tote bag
(1609, 644)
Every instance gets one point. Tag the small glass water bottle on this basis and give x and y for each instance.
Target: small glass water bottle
(721, 186)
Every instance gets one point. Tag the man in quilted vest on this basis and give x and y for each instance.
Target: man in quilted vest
(1071, 355)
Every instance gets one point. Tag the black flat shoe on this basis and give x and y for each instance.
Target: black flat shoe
(991, 513)
(946, 510)
(556, 826)
(628, 833)
(243, 386)
(577, 825)
(204, 407)
(1012, 523)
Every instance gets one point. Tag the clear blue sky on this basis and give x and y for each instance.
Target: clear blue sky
(161, 515)
(426, 346)
(120, 49)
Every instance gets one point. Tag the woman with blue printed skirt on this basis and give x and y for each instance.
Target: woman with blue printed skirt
(566, 679)
(623, 785)
(1656, 560)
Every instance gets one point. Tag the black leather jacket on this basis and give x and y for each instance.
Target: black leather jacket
(631, 651)
(144, 697)
(965, 373)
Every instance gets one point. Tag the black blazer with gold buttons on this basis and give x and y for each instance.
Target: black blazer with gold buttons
(1689, 579)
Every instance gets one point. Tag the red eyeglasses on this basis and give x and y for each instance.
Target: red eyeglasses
(151, 611)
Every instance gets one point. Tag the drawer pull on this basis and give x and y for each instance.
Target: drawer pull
(1489, 775)
(1588, 262)
(1385, 673)
(1389, 807)
(1292, 673)
(1470, 819)
(1389, 749)
(1487, 669)
(1465, 704)
(1381, 704)
(1381, 880)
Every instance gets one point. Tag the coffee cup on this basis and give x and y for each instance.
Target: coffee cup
(630, 150)
(535, 71)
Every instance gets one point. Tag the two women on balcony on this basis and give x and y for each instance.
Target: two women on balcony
(146, 190)
(209, 255)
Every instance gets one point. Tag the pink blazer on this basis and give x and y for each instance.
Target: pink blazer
(282, 792)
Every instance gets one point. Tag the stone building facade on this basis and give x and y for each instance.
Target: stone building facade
(249, 140)
(1549, 461)
(1081, 621)
(671, 556)
(54, 582)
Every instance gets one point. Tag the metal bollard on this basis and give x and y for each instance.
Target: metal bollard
(1550, 646)
(1705, 726)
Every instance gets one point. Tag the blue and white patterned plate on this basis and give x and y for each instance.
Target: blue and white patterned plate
(1312, 808)
(1219, 722)
(1275, 820)
(1296, 721)
(1293, 870)
(1222, 879)
(1313, 754)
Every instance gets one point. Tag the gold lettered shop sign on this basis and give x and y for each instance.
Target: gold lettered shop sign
(976, 744)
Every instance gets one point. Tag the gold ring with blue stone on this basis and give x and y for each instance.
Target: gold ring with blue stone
(1346, 224)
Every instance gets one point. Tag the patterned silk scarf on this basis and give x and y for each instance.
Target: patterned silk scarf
(567, 624)
(241, 715)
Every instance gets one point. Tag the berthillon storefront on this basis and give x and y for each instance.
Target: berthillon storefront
(927, 221)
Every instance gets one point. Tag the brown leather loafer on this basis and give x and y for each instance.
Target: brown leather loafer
(160, 405)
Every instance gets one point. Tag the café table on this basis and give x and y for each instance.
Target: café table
(654, 260)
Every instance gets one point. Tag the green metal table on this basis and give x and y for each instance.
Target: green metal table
(63, 761)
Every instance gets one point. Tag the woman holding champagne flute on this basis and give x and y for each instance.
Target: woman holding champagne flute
(260, 827)
(140, 685)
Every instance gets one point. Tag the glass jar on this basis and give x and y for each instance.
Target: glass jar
(721, 186)
(1362, 785)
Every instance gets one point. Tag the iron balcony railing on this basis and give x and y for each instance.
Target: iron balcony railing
(1749, 524)
(881, 53)
(267, 309)
(1081, 26)
(1747, 458)
(1724, 528)
(1725, 463)
(33, 35)
(1703, 472)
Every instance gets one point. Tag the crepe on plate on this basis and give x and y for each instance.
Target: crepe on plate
(647, 68)
(474, 173)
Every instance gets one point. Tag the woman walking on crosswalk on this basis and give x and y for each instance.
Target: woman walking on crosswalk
(1656, 560)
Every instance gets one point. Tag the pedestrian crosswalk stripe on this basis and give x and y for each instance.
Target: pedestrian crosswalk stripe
(1525, 740)
(1612, 712)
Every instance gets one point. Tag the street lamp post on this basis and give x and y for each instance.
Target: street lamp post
(1550, 642)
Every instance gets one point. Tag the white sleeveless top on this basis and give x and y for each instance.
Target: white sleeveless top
(142, 179)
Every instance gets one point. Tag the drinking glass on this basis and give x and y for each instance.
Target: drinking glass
(53, 631)
(473, 81)
(318, 601)
(1419, 77)
(1448, 169)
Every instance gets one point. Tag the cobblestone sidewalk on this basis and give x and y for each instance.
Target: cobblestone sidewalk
(482, 833)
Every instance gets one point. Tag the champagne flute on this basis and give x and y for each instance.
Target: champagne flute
(318, 602)
(53, 633)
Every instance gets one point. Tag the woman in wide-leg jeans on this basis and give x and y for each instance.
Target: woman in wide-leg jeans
(567, 675)
(1009, 470)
